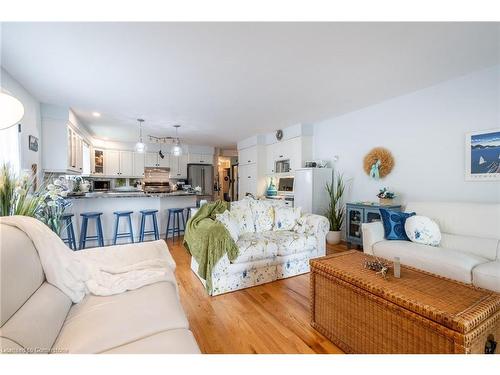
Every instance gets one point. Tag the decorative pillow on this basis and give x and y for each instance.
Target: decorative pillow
(231, 224)
(285, 218)
(394, 224)
(263, 215)
(240, 210)
(423, 230)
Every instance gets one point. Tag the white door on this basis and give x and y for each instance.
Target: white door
(126, 163)
(79, 153)
(151, 159)
(247, 179)
(271, 157)
(112, 163)
(138, 164)
(247, 156)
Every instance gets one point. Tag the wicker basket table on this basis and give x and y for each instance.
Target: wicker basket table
(361, 312)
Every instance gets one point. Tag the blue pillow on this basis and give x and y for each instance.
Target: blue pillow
(394, 224)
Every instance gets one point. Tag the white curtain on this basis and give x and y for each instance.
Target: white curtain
(9, 148)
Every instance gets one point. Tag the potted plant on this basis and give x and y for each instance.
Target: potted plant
(385, 196)
(336, 211)
(17, 197)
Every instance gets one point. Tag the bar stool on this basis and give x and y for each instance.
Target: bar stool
(143, 231)
(67, 220)
(175, 212)
(86, 216)
(188, 214)
(130, 233)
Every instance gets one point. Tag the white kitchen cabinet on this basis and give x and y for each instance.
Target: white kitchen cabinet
(112, 163)
(271, 152)
(247, 183)
(151, 159)
(138, 164)
(75, 151)
(195, 158)
(165, 161)
(247, 156)
(178, 167)
(126, 163)
(293, 151)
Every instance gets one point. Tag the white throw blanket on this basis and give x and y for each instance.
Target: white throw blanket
(100, 271)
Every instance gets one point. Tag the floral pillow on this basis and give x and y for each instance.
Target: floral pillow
(285, 218)
(230, 223)
(240, 210)
(263, 215)
(423, 230)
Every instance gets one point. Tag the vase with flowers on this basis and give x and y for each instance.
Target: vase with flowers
(386, 196)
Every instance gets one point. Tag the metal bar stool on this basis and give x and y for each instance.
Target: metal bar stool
(143, 231)
(130, 233)
(86, 216)
(67, 220)
(188, 214)
(175, 212)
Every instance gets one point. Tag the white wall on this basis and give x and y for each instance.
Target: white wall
(425, 132)
(31, 122)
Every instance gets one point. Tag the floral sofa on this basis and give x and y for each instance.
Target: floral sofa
(274, 242)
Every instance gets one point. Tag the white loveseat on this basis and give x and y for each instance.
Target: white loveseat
(470, 246)
(36, 317)
(269, 255)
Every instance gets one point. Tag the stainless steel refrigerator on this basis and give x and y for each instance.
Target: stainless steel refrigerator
(201, 175)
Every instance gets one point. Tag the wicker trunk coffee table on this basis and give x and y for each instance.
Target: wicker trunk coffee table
(361, 312)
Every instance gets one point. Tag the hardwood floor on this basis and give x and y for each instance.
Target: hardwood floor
(270, 318)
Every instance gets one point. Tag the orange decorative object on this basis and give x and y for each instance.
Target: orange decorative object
(384, 157)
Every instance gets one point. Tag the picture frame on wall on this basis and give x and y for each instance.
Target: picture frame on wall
(33, 143)
(482, 155)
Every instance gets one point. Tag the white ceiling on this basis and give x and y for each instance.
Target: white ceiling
(226, 81)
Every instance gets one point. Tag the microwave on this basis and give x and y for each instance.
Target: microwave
(101, 185)
(282, 166)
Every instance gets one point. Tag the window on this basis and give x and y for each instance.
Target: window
(9, 148)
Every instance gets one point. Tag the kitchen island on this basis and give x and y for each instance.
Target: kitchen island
(108, 202)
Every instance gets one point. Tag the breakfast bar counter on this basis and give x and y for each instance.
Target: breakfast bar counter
(109, 202)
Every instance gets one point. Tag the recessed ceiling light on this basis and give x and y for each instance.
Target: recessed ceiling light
(96, 114)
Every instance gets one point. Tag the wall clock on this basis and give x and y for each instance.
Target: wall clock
(279, 134)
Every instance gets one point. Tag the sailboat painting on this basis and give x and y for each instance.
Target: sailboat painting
(482, 155)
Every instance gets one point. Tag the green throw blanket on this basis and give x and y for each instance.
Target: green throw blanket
(208, 240)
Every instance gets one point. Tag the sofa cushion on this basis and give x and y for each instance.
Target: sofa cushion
(487, 276)
(285, 218)
(483, 247)
(289, 242)
(101, 323)
(243, 214)
(21, 273)
(253, 247)
(37, 323)
(449, 263)
(230, 223)
(394, 224)
(177, 341)
(422, 230)
(262, 215)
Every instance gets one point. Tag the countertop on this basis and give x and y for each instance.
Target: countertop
(133, 194)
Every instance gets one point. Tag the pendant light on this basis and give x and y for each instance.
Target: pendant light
(177, 149)
(140, 146)
(11, 110)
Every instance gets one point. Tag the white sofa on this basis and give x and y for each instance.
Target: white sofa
(470, 246)
(266, 256)
(36, 317)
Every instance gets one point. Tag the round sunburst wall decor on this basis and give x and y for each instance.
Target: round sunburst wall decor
(378, 163)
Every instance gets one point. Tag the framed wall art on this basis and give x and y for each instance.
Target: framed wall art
(482, 155)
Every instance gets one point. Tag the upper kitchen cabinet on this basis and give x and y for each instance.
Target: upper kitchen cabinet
(248, 155)
(139, 158)
(195, 158)
(62, 141)
(294, 150)
(118, 163)
(153, 159)
(178, 167)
